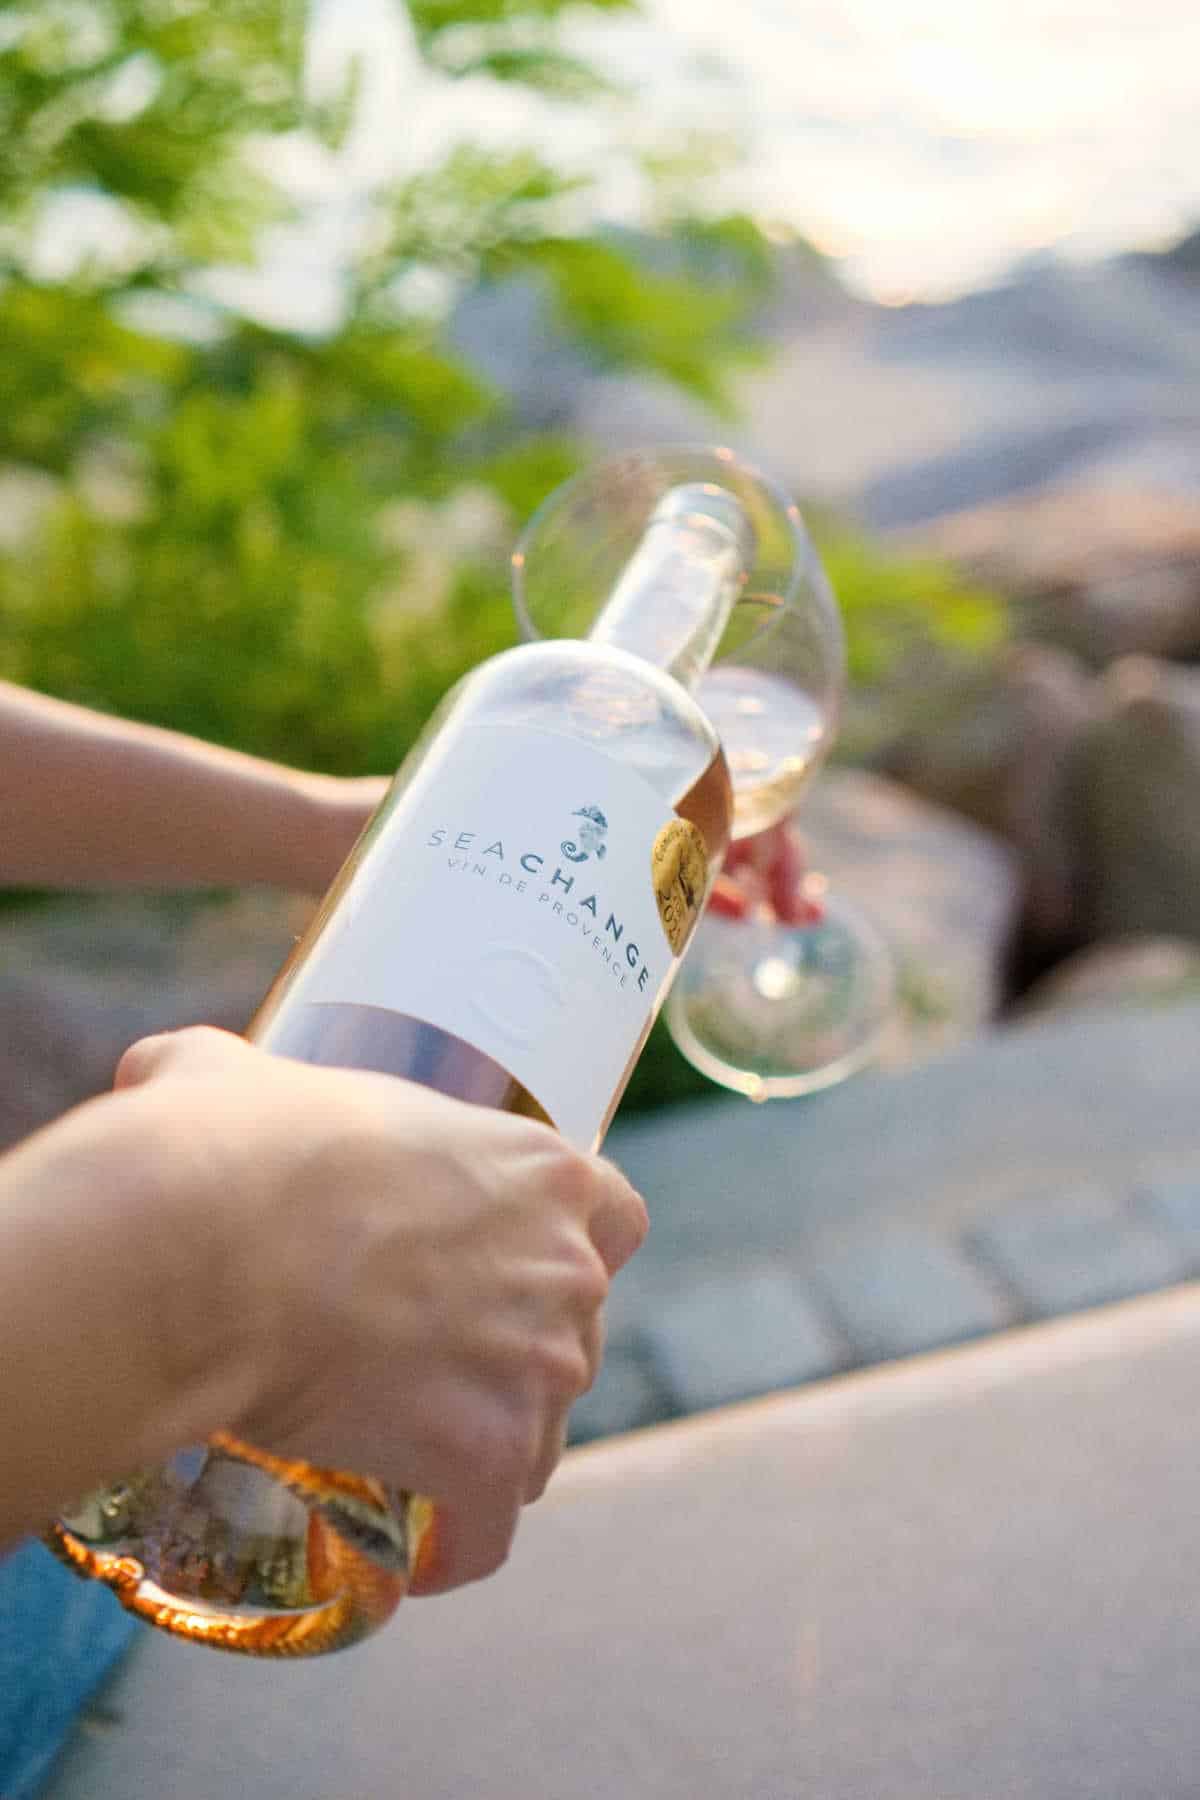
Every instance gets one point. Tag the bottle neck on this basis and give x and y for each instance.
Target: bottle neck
(673, 600)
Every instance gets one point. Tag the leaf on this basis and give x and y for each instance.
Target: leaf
(630, 317)
(405, 372)
(525, 472)
(430, 17)
(331, 116)
(454, 215)
(214, 77)
(731, 247)
(550, 71)
(70, 372)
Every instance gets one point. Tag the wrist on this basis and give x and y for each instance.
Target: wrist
(91, 1390)
(328, 815)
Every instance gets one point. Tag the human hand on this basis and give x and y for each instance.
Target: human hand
(767, 870)
(368, 1275)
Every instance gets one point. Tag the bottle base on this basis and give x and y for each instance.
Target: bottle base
(230, 1547)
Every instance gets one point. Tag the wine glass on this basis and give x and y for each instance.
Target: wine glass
(768, 1008)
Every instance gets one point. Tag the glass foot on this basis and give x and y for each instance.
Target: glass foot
(775, 1011)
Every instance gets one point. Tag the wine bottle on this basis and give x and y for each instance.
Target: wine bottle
(504, 931)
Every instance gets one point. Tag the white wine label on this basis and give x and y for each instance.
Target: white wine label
(527, 894)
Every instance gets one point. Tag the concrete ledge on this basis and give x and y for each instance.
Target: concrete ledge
(969, 1576)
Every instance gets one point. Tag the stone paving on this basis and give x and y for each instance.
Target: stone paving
(1045, 1169)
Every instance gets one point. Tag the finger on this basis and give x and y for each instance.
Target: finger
(465, 1543)
(199, 1050)
(554, 1442)
(618, 1222)
(785, 878)
(728, 900)
(554, 1434)
(762, 849)
(592, 1338)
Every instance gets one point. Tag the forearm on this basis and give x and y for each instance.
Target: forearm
(88, 1391)
(90, 801)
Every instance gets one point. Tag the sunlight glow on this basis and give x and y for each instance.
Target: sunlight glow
(927, 146)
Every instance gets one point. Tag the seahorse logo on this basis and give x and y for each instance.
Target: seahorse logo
(592, 832)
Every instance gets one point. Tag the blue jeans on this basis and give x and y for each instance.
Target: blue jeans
(59, 1637)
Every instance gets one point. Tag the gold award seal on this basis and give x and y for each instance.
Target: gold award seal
(679, 869)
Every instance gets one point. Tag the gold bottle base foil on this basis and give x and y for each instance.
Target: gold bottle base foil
(352, 1593)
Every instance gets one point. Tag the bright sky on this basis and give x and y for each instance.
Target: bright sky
(930, 143)
(934, 141)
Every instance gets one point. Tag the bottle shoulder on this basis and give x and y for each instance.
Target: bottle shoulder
(615, 702)
(596, 689)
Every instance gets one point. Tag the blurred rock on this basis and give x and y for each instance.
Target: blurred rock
(82, 979)
(943, 892)
(1138, 804)
(1103, 571)
(1061, 375)
(1135, 971)
(1000, 747)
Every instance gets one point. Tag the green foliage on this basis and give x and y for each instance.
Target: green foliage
(890, 603)
(150, 102)
(432, 18)
(634, 318)
(663, 1078)
(71, 375)
(471, 215)
(223, 548)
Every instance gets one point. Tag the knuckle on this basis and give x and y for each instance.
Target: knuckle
(192, 1049)
(202, 1037)
(141, 1060)
(589, 1281)
(623, 1198)
(569, 1174)
(563, 1366)
(618, 1224)
(532, 1137)
(504, 1448)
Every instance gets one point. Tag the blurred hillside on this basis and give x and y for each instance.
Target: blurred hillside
(899, 415)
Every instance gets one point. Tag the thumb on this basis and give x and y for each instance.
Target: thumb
(198, 1050)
